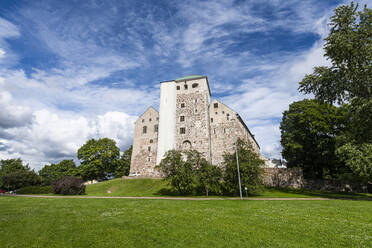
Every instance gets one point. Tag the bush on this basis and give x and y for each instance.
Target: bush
(35, 190)
(69, 186)
(249, 166)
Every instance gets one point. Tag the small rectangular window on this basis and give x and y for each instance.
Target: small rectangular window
(149, 148)
(182, 130)
(214, 131)
(148, 159)
(178, 87)
(223, 112)
(212, 120)
(143, 120)
(151, 141)
(144, 129)
(216, 113)
(182, 105)
(185, 86)
(150, 120)
(157, 118)
(156, 128)
(215, 105)
(182, 118)
(196, 111)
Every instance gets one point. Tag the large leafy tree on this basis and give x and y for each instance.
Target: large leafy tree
(349, 49)
(188, 172)
(308, 137)
(179, 171)
(14, 174)
(123, 164)
(50, 173)
(98, 158)
(249, 167)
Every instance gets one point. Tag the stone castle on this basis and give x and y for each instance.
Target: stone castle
(187, 119)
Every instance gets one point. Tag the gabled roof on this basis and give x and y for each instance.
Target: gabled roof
(147, 110)
(240, 119)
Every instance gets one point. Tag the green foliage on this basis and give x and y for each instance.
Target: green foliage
(349, 48)
(69, 186)
(35, 190)
(122, 167)
(249, 167)
(20, 178)
(50, 173)
(14, 175)
(98, 158)
(188, 172)
(308, 137)
(208, 178)
(179, 172)
(359, 159)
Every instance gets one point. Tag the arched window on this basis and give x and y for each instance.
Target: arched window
(186, 145)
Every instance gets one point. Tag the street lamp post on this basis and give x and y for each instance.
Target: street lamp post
(237, 161)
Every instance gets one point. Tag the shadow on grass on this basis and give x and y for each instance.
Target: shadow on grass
(322, 194)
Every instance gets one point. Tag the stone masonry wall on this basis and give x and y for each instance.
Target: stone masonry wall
(192, 114)
(144, 153)
(222, 131)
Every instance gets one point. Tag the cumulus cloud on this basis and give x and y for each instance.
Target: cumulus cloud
(54, 136)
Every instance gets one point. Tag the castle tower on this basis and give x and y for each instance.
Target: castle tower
(184, 116)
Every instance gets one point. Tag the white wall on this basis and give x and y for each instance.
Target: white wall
(167, 119)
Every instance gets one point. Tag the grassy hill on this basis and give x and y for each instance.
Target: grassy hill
(129, 187)
(157, 187)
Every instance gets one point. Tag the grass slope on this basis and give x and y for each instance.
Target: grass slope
(129, 187)
(35, 222)
(157, 187)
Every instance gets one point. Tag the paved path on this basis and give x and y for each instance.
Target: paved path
(174, 198)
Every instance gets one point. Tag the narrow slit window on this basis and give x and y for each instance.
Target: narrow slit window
(149, 148)
(156, 128)
(212, 120)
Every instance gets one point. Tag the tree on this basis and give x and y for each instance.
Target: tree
(69, 186)
(98, 158)
(123, 164)
(14, 175)
(209, 178)
(178, 170)
(249, 166)
(308, 137)
(20, 178)
(349, 49)
(50, 173)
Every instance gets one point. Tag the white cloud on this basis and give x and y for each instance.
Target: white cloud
(2, 53)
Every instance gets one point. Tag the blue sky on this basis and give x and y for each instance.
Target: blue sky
(74, 70)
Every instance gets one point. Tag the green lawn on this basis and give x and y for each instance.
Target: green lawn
(35, 222)
(157, 187)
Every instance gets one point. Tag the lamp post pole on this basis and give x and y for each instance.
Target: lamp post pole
(237, 162)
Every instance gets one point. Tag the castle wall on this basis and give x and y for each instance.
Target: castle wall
(192, 115)
(167, 119)
(223, 120)
(145, 144)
